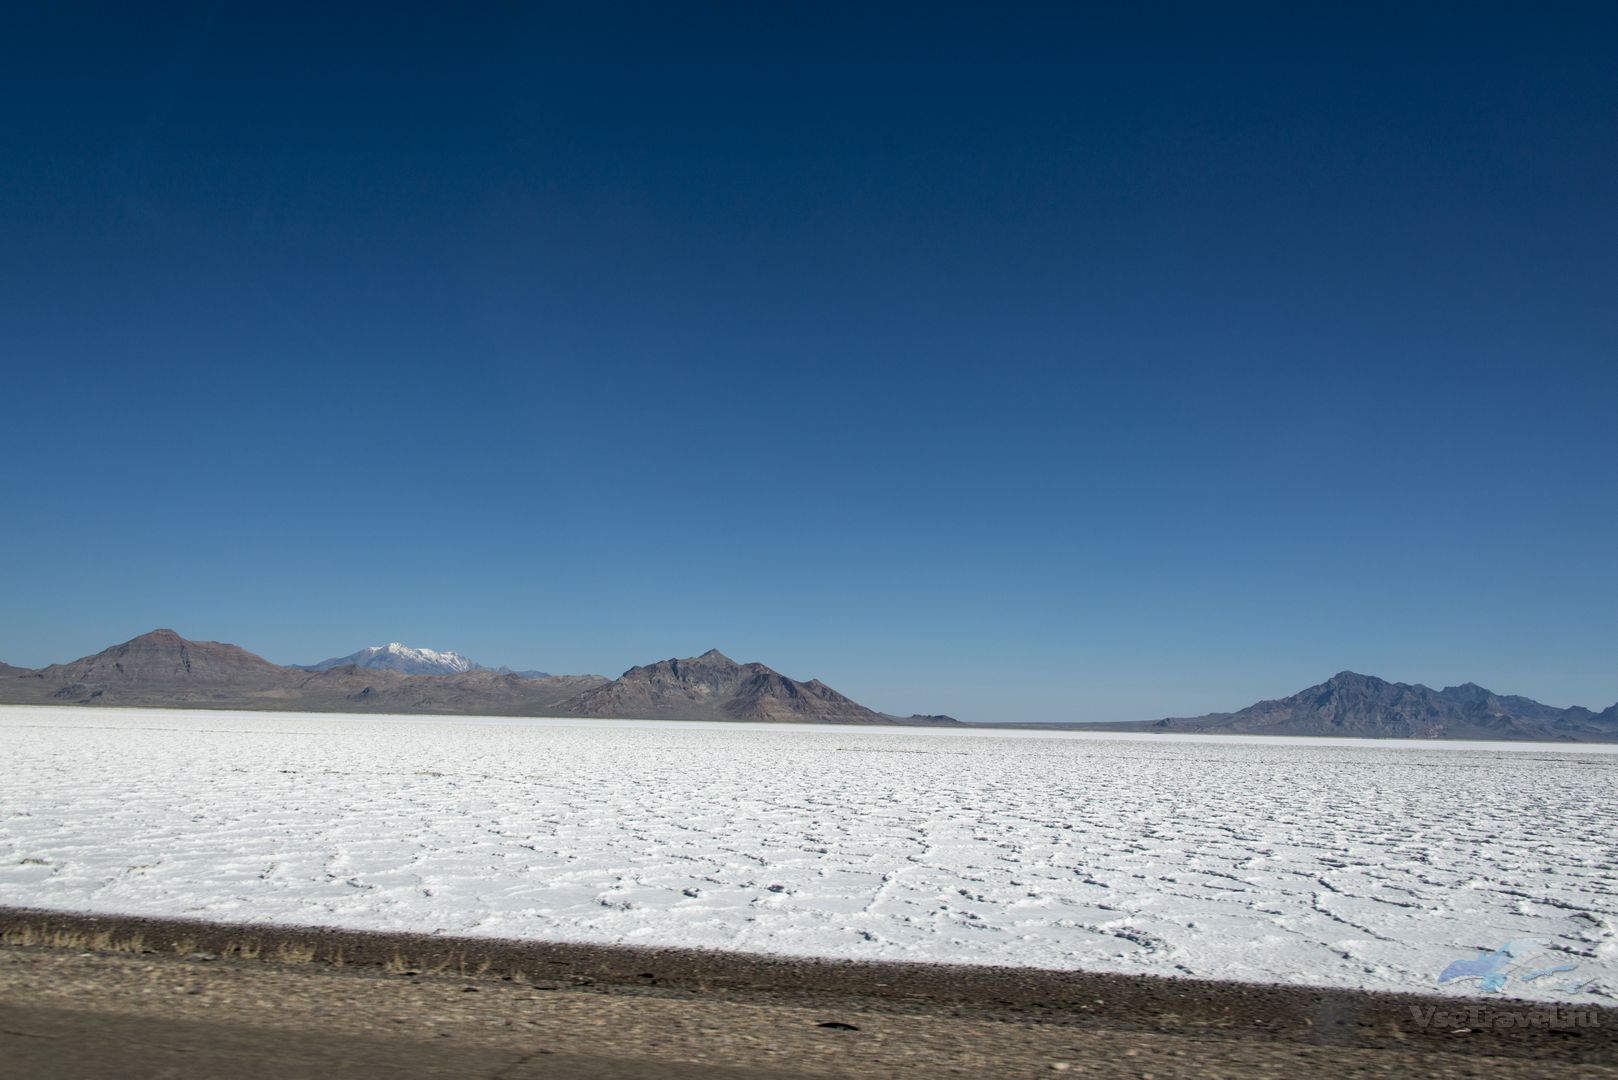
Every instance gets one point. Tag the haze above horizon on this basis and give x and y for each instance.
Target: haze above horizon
(1050, 369)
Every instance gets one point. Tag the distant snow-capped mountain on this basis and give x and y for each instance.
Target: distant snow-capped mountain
(396, 656)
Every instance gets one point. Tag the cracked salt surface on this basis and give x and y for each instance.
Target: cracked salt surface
(1341, 862)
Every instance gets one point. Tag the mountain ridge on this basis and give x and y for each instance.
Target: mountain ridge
(160, 668)
(1353, 705)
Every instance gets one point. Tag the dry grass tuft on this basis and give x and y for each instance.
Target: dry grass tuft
(20, 935)
(100, 941)
(454, 963)
(294, 953)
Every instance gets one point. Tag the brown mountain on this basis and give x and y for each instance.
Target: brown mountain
(163, 669)
(163, 663)
(715, 687)
(1363, 706)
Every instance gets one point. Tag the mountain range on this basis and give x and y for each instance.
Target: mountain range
(163, 669)
(1365, 707)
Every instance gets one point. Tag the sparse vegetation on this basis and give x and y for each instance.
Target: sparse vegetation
(294, 952)
(56, 938)
(247, 950)
(42, 934)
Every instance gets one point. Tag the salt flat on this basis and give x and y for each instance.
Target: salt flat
(1364, 864)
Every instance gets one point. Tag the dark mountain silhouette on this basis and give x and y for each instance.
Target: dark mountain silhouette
(163, 669)
(1363, 706)
(715, 687)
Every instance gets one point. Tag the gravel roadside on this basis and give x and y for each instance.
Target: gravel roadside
(99, 996)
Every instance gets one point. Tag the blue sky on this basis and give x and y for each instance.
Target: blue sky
(1039, 369)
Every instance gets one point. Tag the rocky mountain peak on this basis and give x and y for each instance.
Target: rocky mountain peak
(160, 636)
(1353, 680)
(714, 687)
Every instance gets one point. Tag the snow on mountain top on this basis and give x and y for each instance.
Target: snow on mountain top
(397, 656)
(452, 661)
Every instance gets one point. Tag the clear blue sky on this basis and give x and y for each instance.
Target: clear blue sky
(1036, 368)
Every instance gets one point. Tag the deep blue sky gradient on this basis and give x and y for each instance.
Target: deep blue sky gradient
(1043, 368)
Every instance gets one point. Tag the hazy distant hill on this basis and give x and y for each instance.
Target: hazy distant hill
(163, 669)
(1363, 706)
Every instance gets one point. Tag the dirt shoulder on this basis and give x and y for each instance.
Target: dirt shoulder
(171, 994)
